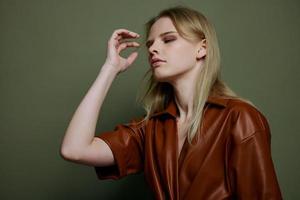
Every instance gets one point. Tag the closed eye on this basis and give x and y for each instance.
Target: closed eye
(166, 41)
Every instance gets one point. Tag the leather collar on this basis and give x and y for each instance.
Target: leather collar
(173, 110)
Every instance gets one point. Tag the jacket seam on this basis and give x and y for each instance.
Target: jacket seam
(244, 140)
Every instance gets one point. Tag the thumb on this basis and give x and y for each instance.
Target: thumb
(131, 58)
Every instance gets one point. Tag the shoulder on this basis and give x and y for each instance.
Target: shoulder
(246, 119)
(137, 122)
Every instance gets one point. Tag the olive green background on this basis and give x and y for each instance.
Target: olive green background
(52, 51)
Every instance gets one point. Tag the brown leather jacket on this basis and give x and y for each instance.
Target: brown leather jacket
(231, 159)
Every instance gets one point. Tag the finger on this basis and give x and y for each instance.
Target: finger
(125, 33)
(115, 41)
(122, 39)
(131, 58)
(130, 43)
(117, 37)
(127, 44)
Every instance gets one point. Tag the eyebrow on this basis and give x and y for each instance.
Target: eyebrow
(162, 34)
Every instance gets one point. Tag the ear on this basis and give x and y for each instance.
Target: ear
(201, 50)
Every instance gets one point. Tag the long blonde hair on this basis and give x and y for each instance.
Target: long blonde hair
(191, 25)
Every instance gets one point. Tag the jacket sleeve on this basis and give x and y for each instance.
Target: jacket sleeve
(252, 172)
(127, 144)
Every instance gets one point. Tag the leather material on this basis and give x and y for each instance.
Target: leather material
(230, 159)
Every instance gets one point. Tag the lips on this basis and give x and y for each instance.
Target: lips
(156, 61)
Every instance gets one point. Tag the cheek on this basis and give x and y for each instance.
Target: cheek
(183, 57)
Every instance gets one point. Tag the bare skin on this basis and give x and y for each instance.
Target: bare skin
(79, 143)
(183, 62)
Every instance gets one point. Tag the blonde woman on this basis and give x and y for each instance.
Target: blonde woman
(198, 139)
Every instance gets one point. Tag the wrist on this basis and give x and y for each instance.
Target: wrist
(107, 68)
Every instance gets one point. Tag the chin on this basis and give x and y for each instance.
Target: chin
(158, 77)
(162, 78)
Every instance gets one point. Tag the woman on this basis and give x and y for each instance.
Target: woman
(198, 139)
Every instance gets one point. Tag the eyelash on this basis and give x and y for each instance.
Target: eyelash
(166, 41)
(169, 40)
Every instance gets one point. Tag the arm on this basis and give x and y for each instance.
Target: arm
(79, 141)
(79, 144)
(252, 172)
(127, 144)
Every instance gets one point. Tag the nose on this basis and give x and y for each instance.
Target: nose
(153, 48)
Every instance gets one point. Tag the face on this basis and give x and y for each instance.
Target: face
(178, 54)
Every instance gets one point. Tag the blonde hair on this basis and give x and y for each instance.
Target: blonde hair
(192, 26)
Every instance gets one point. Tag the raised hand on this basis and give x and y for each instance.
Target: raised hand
(116, 45)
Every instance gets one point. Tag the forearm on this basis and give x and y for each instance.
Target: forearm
(81, 129)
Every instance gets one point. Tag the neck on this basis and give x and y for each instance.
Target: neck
(184, 86)
(184, 89)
